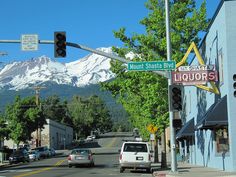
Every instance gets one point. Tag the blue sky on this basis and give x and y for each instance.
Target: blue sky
(87, 22)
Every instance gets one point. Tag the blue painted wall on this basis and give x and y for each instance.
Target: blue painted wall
(218, 48)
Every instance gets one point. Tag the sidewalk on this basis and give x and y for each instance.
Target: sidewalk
(3, 164)
(188, 170)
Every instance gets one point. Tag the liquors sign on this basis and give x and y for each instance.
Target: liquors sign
(195, 75)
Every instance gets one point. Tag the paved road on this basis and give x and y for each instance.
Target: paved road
(106, 163)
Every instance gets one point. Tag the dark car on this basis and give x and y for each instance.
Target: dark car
(20, 155)
(52, 151)
(43, 151)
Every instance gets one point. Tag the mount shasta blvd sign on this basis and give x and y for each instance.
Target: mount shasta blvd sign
(151, 66)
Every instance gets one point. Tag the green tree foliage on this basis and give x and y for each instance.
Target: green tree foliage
(89, 114)
(23, 117)
(144, 95)
(4, 130)
(56, 110)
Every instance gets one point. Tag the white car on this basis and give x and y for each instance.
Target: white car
(135, 155)
(34, 155)
(89, 138)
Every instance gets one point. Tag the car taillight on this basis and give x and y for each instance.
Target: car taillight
(120, 156)
(69, 157)
(150, 157)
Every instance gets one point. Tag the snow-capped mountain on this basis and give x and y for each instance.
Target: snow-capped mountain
(88, 70)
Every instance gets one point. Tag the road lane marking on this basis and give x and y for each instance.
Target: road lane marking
(42, 170)
(112, 142)
(13, 171)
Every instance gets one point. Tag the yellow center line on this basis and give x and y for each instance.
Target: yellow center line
(112, 142)
(42, 170)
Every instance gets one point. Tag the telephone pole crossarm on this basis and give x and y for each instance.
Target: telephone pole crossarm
(38, 131)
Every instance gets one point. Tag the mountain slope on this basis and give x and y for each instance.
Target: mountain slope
(79, 77)
(91, 69)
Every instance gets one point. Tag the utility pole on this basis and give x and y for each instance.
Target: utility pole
(38, 131)
(171, 115)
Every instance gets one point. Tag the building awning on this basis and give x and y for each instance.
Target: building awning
(216, 116)
(187, 130)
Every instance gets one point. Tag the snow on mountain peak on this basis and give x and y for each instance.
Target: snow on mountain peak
(91, 69)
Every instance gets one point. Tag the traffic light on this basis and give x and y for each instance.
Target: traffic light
(176, 100)
(234, 84)
(59, 44)
(177, 123)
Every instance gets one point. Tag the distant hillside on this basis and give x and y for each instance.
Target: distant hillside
(66, 92)
(80, 77)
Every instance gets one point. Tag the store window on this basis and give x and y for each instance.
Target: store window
(222, 140)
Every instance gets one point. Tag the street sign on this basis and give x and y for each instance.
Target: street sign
(151, 66)
(151, 128)
(29, 42)
(197, 68)
(152, 137)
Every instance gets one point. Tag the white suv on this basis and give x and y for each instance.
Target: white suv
(135, 155)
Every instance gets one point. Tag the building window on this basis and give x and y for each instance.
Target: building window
(222, 140)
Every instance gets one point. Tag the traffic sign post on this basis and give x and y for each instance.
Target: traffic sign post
(29, 42)
(151, 66)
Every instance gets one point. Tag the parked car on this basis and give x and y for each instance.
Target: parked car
(80, 157)
(20, 155)
(89, 138)
(43, 151)
(81, 141)
(34, 155)
(135, 155)
(52, 151)
(136, 132)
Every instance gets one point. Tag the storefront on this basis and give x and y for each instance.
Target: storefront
(207, 135)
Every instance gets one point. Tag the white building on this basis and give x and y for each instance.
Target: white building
(54, 135)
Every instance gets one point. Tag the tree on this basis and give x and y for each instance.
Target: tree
(144, 95)
(99, 112)
(23, 117)
(89, 114)
(56, 110)
(76, 107)
(4, 130)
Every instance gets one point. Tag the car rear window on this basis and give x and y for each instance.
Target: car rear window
(135, 147)
(80, 151)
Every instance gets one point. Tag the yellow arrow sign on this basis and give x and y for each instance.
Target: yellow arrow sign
(151, 128)
(193, 46)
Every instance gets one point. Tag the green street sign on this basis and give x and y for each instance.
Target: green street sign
(151, 66)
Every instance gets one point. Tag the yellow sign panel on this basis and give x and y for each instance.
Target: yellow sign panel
(151, 128)
(193, 46)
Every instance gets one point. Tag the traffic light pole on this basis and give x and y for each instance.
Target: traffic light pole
(171, 115)
(79, 46)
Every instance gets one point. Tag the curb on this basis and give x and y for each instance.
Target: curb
(159, 174)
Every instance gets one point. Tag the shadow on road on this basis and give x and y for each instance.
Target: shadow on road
(92, 144)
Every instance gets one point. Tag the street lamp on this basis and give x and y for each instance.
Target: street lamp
(171, 115)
